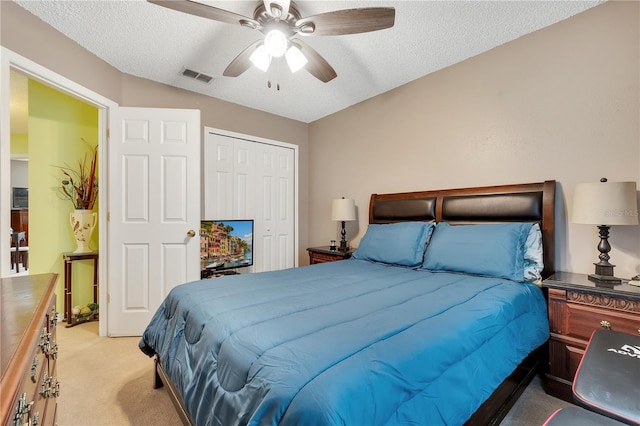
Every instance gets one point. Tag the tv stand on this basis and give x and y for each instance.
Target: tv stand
(216, 274)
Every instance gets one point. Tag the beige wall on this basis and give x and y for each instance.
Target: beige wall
(23, 33)
(561, 103)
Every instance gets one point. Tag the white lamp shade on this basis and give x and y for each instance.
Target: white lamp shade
(261, 58)
(295, 59)
(343, 209)
(605, 203)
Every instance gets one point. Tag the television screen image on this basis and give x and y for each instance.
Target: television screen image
(225, 245)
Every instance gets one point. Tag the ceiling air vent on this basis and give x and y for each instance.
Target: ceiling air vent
(196, 75)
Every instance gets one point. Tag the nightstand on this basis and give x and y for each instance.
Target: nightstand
(323, 254)
(577, 307)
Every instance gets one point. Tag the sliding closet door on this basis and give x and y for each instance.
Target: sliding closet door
(249, 179)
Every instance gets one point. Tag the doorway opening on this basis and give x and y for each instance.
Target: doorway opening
(51, 81)
(51, 135)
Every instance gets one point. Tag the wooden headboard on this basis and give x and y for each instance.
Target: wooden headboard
(529, 202)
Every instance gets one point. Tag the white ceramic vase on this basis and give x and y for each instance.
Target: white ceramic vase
(83, 222)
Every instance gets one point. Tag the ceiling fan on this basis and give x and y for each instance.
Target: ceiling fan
(283, 27)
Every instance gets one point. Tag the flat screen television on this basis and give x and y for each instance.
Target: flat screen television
(225, 245)
(20, 198)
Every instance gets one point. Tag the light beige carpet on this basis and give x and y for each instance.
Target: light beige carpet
(109, 381)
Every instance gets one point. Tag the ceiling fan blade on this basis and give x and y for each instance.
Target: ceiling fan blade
(316, 65)
(241, 63)
(203, 10)
(277, 8)
(348, 21)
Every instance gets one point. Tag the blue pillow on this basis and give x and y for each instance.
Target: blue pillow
(495, 250)
(401, 243)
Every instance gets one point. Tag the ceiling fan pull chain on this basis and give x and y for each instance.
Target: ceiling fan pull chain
(273, 75)
(276, 73)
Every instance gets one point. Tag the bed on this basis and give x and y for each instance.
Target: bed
(436, 319)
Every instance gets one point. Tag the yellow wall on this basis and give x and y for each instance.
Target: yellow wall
(19, 143)
(57, 125)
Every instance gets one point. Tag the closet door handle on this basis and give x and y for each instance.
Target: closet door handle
(191, 233)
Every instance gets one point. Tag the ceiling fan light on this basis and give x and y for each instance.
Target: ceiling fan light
(276, 43)
(295, 59)
(261, 58)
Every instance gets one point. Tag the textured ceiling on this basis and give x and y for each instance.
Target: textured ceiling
(156, 43)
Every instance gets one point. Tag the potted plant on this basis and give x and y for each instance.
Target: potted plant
(81, 188)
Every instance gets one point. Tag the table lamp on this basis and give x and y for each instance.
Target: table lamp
(605, 204)
(343, 210)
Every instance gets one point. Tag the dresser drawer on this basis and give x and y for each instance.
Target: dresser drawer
(34, 375)
(583, 320)
(49, 396)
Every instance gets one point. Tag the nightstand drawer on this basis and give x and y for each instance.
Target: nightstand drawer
(582, 320)
(325, 254)
(564, 357)
(322, 258)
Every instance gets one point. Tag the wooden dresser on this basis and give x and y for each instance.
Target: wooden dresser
(577, 307)
(28, 350)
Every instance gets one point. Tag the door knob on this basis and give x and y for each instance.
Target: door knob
(191, 233)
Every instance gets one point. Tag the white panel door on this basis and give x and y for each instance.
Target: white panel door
(154, 204)
(275, 212)
(244, 185)
(219, 179)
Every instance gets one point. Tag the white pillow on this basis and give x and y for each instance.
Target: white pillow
(533, 255)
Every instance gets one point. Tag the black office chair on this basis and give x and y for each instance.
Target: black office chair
(608, 378)
(606, 384)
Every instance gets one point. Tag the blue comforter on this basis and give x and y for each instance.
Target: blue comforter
(348, 342)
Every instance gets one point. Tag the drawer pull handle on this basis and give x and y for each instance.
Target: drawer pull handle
(53, 351)
(23, 409)
(34, 369)
(45, 391)
(45, 341)
(605, 324)
(55, 387)
(53, 318)
(50, 387)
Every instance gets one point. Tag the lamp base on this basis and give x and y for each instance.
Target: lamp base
(604, 279)
(343, 246)
(604, 274)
